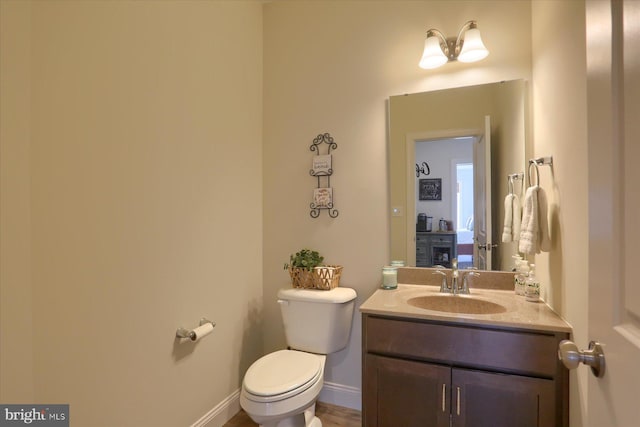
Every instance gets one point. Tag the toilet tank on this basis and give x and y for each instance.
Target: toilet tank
(317, 321)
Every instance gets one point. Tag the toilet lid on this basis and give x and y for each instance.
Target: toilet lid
(280, 372)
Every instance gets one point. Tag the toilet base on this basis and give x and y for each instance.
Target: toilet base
(306, 419)
(294, 422)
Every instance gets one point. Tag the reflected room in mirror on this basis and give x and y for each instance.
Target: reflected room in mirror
(468, 141)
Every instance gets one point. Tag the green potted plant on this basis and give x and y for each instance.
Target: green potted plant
(307, 271)
(305, 259)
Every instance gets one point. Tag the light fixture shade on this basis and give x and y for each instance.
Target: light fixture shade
(472, 48)
(433, 56)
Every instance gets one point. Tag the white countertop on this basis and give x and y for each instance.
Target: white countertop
(519, 313)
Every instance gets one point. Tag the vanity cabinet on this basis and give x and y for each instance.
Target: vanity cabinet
(406, 393)
(435, 248)
(429, 373)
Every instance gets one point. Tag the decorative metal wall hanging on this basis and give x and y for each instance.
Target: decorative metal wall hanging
(422, 169)
(322, 169)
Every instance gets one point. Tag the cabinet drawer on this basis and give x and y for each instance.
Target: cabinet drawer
(520, 352)
(442, 239)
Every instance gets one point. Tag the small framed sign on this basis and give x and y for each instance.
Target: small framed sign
(323, 197)
(322, 165)
(430, 189)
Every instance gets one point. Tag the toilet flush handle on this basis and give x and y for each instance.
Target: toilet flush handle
(283, 302)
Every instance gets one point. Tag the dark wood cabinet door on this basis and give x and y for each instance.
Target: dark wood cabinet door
(483, 399)
(401, 393)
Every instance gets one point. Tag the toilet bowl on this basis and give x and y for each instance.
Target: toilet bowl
(281, 388)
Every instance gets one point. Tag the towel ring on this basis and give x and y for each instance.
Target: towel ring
(535, 165)
(511, 178)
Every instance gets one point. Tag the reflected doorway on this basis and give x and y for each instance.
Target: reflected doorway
(434, 156)
(449, 161)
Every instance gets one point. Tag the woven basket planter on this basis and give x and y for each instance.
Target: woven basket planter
(301, 277)
(325, 277)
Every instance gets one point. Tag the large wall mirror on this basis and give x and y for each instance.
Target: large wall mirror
(451, 155)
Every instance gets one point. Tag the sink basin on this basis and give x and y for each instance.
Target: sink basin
(456, 304)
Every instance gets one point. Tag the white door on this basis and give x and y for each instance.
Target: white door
(614, 209)
(482, 206)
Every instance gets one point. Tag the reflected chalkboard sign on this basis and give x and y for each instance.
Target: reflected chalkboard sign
(430, 189)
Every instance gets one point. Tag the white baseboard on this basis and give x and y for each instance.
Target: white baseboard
(332, 393)
(341, 395)
(221, 413)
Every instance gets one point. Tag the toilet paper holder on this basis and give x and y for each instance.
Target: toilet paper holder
(190, 333)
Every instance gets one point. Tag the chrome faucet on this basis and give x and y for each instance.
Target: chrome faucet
(455, 275)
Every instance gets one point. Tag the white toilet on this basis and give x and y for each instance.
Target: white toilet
(281, 388)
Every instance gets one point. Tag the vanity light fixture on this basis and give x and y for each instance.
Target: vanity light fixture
(467, 47)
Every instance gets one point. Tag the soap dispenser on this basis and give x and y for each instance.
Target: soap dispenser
(532, 288)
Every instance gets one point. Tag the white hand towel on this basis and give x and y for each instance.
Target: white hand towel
(512, 218)
(517, 218)
(544, 239)
(534, 232)
(507, 229)
(529, 226)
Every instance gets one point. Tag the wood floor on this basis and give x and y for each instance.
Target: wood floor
(330, 415)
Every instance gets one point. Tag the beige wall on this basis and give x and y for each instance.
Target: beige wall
(331, 67)
(140, 160)
(16, 320)
(560, 130)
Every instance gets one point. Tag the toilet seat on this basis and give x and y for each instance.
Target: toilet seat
(282, 374)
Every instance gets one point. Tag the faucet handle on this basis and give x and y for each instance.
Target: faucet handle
(465, 281)
(443, 285)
